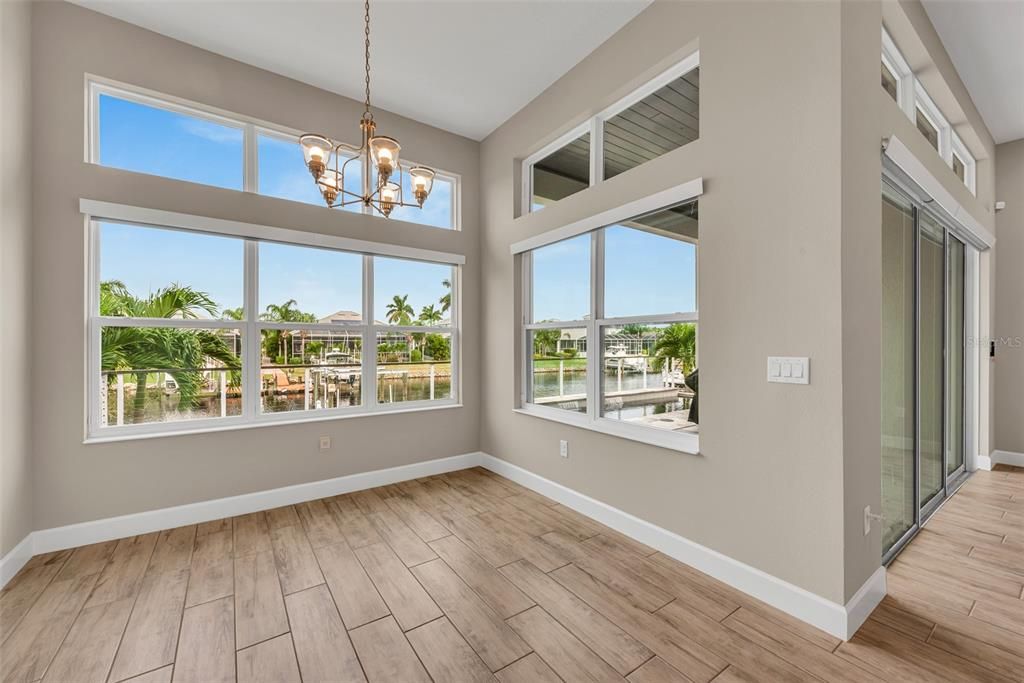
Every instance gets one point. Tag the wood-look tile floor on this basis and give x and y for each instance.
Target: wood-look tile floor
(470, 577)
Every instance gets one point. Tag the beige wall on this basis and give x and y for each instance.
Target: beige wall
(790, 265)
(868, 116)
(1008, 367)
(767, 488)
(15, 286)
(76, 482)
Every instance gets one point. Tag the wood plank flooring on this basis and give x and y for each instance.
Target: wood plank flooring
(469, 577)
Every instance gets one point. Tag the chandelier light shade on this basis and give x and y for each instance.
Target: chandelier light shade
(327, 162)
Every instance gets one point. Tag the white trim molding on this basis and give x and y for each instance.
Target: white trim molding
(998, 457)
(13, 561)
(98, 210)
(111, 528)
(659, 200)
(900, 155)
(841, 621)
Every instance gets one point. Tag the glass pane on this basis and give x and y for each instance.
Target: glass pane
(562, 173)
(930, 362)
(889, 82)
(306, 369)
(897, 369)
(649, 376)
(437, 211)
(650, 264)
(955, 445)
(283, 173)
(958, 167)
(411, 292)
(303, 284)
(559, 368)
(413, 366)
(664, 120)
(561, 280)
(165, 374)
(146, 139)
(156, 273)
(928, 130)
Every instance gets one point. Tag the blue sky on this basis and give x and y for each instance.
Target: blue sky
(322, 281)
(644, 274)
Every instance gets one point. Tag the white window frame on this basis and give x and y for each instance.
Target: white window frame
(595, 323)
(96, 212)
(251, 128)
(959, 149)
(595, 126)
(912, 96)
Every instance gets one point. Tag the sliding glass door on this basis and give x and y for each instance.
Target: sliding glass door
(899, 500)
(923, 442)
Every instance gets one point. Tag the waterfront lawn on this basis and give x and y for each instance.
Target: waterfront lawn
(552, 363)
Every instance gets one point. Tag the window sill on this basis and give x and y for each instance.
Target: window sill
(124, 434)
(675, 441)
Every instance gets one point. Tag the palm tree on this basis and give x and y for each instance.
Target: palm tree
(284, 313)
(446, 300)
(677, 342)
(399, 312)
(545, 342)
(181, 353)
(430, 315)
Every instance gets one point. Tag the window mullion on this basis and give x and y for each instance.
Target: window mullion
(369, 363)
(250, 156)
(252, 355)
(596, 150)
(594, 343)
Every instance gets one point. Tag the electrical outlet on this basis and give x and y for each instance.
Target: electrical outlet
(869, 517)
(563, 448)
(325, 443)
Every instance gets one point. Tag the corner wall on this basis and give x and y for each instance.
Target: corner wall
(1008, 366)
(15, 274)
(75, 482)
(767, 489)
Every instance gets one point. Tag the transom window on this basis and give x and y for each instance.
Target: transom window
(148, 133)
(657, 118)
(899, 81)
(190, 329)
(610, 327)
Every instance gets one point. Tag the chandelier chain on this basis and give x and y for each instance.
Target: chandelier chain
(366, 17)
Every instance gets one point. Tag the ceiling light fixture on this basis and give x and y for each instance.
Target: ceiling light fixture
(377, 152)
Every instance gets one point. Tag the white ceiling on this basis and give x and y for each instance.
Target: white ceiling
(462, 65)
(985, 40)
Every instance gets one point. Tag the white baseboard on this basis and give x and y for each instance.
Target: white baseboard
(12, 562)
(1006, 458)
(984, 462)
(73, 535)
(841, 621)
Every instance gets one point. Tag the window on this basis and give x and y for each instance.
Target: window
(561, 173)
(143, 132)
(958, 167)
(890, 83)
(901, 84)
(640, 379)
(282, 172)
(659, 123)
(659, 117)
(189, 328)
(148, 139)
(928, 129)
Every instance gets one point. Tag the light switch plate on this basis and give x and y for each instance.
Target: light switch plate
(789, 370)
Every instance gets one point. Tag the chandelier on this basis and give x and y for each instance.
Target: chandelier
(375, 152)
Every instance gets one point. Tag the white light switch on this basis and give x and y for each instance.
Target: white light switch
(787, 370)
